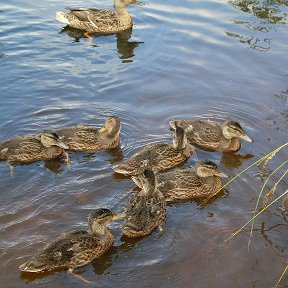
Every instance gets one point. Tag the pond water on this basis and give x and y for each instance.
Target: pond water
(186, 58)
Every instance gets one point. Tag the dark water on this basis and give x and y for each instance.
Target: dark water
(211, 59)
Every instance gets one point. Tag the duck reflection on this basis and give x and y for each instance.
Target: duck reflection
(55, 166)
(269, 12)
(232, 160)
(125, 48)
(101, 264)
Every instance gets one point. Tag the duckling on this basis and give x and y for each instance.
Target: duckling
(29, 148)
(158, 157)
(88, 139)
(99, 21)
(187, 184)
(212, 136)
(76, 248)
(146, 210)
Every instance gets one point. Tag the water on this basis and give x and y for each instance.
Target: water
(210, 59)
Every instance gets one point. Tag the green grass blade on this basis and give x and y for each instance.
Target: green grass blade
(281, 277)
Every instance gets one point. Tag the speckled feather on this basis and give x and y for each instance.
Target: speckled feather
(208, 135)
(72, 250)
(144, 214)
(83, 138)
(89, 139)
(98, 21)
(157, 157)
(184, 184)
(26, 149)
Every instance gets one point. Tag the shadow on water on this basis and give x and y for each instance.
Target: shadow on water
(265, 15)
(125, 48)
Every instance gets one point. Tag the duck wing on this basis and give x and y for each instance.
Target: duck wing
(180, 184)
(24, 145)
(57, 254)
(96, 17)
(144, 214)
(156, 157)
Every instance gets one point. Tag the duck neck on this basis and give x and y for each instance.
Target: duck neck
(123, 16)
(98, 229)
(148, 189)
(231, 145)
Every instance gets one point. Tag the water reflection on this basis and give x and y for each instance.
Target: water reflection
(270, 236)
(2, 55)
(255, 43)
(106, 261)
(232, 160)
(55, 166)
(269, 12)
(125, 48)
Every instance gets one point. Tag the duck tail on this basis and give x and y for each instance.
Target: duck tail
(61, 17)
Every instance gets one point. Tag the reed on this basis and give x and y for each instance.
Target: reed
(265, 160)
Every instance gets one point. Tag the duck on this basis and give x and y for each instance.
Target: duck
(98, 20)
(76, 248)
(32, 148)
(158, 157)
(188, 183)
(146, 210)
(89, 139)
(213, 136)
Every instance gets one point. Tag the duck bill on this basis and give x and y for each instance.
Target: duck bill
(103, 129)
(117, 216)
(246, 138)
(62, 145)
(135, 2)
(221, 174)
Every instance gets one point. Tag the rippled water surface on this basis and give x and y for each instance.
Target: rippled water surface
(185, 58)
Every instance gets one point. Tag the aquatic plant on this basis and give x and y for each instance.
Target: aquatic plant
(263, 164)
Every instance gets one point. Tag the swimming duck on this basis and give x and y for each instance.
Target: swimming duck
(146, 210)
(76, 248)
(89, 139)
(212, 136)
(99, 21)
(158, 157)
(187, 183)
(29, 148)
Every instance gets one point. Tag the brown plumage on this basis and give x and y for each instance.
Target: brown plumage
(89, 139)
(29, 148)
(212, 136)
(76, 248)
(187, 183)
(146, 210)
(97, 20)
(158, 157)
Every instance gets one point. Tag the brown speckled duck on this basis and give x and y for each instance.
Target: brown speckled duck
(187, 183)
(99, 21)
(146, 210)
(212, 136)
(76, 248)
(29, 148)
(158, 157)
(89, 139)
